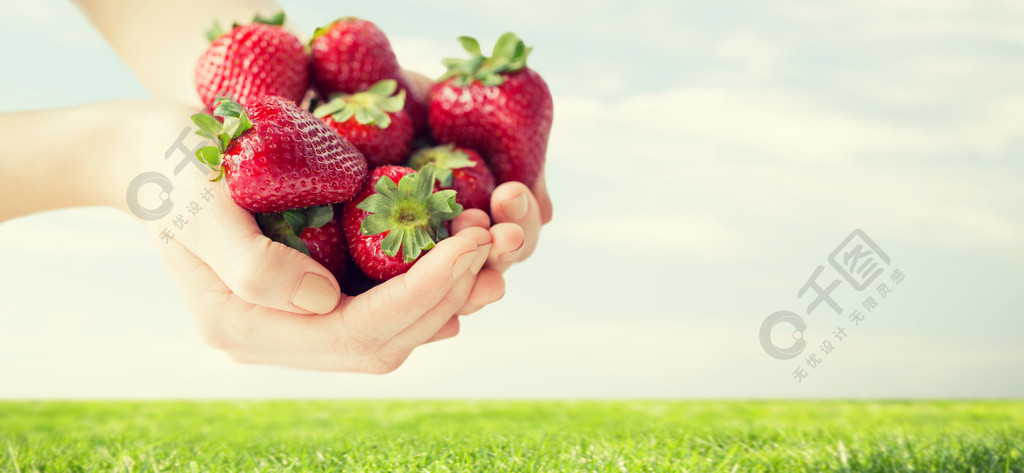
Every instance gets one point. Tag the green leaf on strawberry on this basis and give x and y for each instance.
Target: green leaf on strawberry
(275, 20)
(411, 213)
(235, 122)
(370, 106)
(216, 31)
(445, 157)
(285, 227)
(509, 55)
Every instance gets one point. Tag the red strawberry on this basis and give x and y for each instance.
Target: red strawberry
(373, 121)
(276, 156)
(251, 61)
(349, 55)
(460, 169)
(315, 231)
(327, 246)
(497, 106)
(397, 210)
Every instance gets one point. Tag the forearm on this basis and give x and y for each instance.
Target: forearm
(83, 155)
(160, 41)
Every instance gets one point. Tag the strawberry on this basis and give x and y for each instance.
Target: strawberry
(275, 156)
(460, 169)
(398, 209)
(497, 106)
(373, 120)
(315, 231)
(350, 54)
(326, 245)
(251, 61)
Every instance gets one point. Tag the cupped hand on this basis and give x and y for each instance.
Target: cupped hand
(265, 303)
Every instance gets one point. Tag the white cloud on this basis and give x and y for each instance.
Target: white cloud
(918, 18)
(778, 157)
(659, 236)
(753, 57)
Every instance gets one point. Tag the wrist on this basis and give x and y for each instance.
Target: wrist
(156, 152)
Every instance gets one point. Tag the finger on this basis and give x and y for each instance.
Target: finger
(509, 240)
(436, 325)
(258, 270)
(512, 202)
(540, 190)
(360, 324)
(471, 218)
(423, 329)
(380, 313)
(449, 330)
(489, 288)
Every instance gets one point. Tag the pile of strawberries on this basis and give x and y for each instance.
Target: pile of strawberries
(340, 157)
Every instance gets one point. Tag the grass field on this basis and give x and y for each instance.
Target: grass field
(441, 436)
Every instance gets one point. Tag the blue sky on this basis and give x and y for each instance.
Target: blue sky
(705, 159)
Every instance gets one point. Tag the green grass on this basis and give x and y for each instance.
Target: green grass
(441, 436)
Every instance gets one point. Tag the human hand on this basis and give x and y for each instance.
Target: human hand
(257, 299)
(263, 302)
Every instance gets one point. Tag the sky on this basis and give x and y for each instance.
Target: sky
(705, 159)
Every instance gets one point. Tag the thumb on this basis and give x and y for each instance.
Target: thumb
(255, 268)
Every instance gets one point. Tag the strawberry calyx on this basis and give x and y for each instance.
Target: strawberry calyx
(509, 55)
(445, 158)
(411, 213)
(216, 31)
(222, 133)
(370, 106)
(286, 226)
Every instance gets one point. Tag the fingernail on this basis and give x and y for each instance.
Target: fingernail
(315, 294)
(515, 209)
(481, 258)
(462, 263)
(511, 255)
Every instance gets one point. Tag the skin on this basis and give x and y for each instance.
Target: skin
(219, 261)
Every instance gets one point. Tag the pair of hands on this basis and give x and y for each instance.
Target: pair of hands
(258, 300)
(264, 303)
